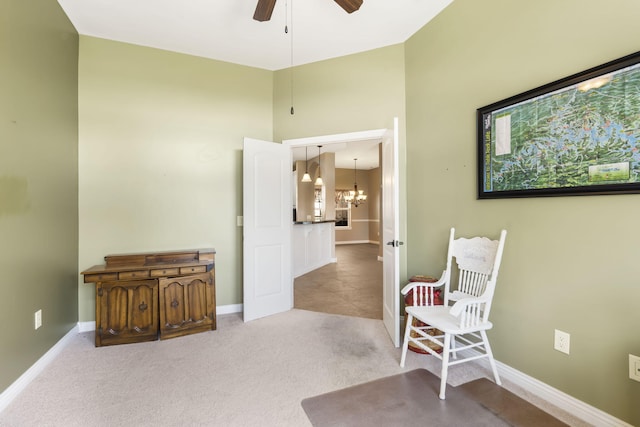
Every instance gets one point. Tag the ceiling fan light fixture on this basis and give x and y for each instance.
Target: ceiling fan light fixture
(349, 6)
(264, 8)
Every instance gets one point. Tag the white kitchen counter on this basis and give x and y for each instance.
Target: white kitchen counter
(313, 246)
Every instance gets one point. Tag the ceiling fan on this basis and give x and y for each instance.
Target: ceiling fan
(264, 8)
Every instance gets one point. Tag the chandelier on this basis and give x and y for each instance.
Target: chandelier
(356, 197)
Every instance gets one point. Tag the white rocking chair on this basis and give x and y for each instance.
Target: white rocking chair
(467, 320)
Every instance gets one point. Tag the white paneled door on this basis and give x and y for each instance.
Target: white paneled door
(391, 235)
(267, 265)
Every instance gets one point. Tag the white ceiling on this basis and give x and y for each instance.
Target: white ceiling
(225, 30)
(366, 151)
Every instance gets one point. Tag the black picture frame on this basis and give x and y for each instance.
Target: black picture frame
(579, 135)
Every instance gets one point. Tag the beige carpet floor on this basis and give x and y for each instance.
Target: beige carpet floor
(243, 374)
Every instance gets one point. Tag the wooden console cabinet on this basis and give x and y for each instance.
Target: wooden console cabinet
(142, 296)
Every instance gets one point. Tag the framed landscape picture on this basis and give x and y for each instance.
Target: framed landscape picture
(578, 135)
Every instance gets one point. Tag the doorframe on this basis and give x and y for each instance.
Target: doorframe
(337, 138)
(381, 135)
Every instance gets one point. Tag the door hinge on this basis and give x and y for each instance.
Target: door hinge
(99, 292)
(395, 243)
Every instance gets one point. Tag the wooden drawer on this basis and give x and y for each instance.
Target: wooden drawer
(164, 272)
(191, 270)
(102, 277)
(129, 275)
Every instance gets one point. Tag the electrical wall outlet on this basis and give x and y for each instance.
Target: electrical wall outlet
(562, 341)
(634, 367)
(37, 319)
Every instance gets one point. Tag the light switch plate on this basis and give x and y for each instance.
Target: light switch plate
(37, 319)
(562, 341)
(634, 367)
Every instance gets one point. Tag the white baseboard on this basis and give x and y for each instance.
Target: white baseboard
(229, 309)
(86, 326)
(23, 381)
(570, 404)
(355, 242)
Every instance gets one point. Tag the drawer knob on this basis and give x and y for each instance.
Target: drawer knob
(174, 303)
(143, 306)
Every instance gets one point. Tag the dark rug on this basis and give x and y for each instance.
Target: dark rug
(411, 399)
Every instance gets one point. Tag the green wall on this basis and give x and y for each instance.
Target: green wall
(352, 93)
(570, 263)
(160, 155)
(38, 181)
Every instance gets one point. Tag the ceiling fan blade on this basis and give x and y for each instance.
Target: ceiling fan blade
(349, 6)
(264, 9)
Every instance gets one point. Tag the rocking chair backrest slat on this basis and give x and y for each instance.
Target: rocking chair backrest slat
(472, 283)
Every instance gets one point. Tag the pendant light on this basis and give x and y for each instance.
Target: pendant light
(319, 179)
(306, 177)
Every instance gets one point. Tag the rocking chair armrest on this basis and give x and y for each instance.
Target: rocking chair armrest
(412, 285)
(461, 304)
(457, 296)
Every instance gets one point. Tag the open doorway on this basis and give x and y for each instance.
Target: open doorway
(353, 284)
(267, 249)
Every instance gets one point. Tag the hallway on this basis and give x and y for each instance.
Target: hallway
(352, 286)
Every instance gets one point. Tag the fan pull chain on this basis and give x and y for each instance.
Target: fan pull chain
(286, 30)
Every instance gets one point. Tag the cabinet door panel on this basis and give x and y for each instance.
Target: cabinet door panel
(143, 313)
(115, 310)
(187, 305)
(172, 303)
(126, 312)
(197, 291)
